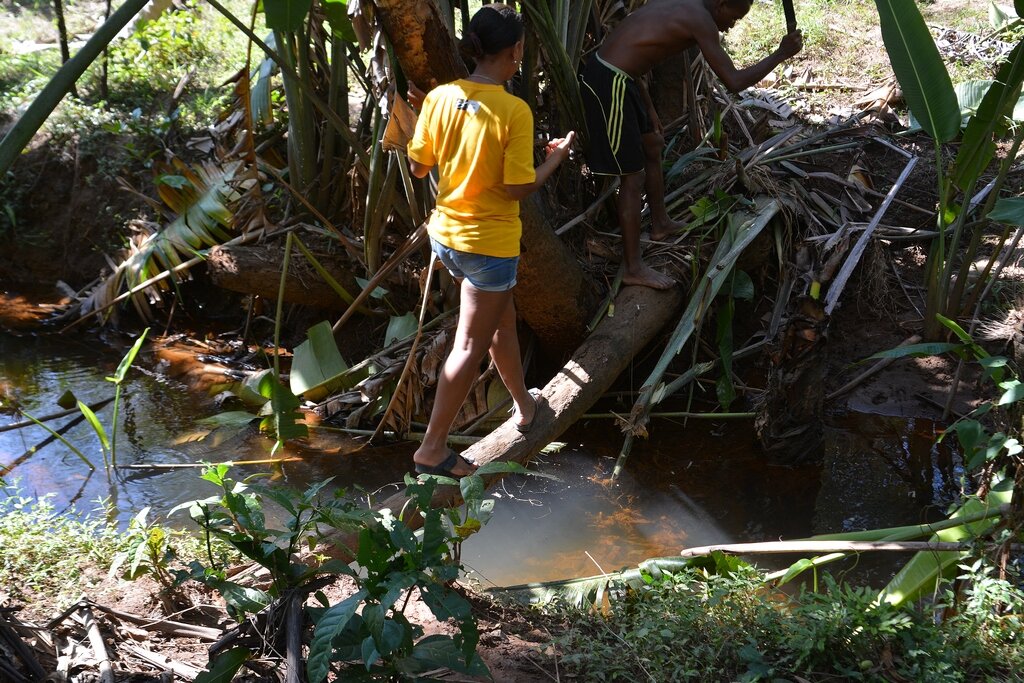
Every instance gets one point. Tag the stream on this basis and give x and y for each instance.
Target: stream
(690, 484)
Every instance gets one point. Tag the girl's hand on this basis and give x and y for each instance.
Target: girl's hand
(415, 95)
(560, 147)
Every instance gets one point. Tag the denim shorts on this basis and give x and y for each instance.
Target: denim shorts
(486, 273)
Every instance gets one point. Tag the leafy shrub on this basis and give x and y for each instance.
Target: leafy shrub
(44, 550)
(692, 626)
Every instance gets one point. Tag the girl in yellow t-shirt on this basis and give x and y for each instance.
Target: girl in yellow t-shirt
(481, 139)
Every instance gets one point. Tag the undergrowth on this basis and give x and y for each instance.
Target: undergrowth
(696, 627)
(49, 552)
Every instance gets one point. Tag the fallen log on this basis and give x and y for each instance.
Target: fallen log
(640, 313)
(257, 270)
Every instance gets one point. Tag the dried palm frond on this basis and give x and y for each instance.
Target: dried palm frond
(201, 200)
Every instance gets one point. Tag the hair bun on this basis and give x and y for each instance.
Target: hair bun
(471, 45)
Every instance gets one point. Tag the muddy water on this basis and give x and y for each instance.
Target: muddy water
(691, 484)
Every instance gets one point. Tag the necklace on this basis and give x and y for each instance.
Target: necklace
(486, 78)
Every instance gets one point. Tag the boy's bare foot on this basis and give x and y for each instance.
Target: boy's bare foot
(662, 231)
(645, 276)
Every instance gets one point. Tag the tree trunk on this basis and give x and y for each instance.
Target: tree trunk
(554, 296)
(640, 313)
(422, 43)
(552, 293)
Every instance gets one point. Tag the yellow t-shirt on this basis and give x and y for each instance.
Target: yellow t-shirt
(481, 138)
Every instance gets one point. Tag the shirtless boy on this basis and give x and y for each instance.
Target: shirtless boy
(625, 136)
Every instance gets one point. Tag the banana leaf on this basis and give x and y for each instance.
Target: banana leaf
(919, 68)
(317, 365)
(286, 15)
(1000, 102)
(591, 591)
(921, 574)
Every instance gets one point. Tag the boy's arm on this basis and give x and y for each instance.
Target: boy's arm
(707, 38)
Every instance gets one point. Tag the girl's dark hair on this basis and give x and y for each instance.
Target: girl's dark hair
(492, 29)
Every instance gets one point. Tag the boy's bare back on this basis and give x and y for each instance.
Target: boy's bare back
(656, 31)
(662, 28)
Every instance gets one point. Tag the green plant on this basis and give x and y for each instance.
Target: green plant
(46, 551)
(366, 636)
(149, 552)
(932, 100)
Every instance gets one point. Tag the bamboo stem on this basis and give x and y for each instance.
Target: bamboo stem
(772, 547)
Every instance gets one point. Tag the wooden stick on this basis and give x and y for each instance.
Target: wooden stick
(295, 671)
(179, 669)
(64, 413)
(99, 648)
(705, 416)
(189, 465)
(832, 298)
(167, 626)
(589, 211)
(813, 547)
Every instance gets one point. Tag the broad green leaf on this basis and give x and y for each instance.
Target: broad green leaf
(94, 422)
(230, 418)
(377, 293)
(444, 603)
(317, 362)
(1008, 210)
(925, 349)
(920, 575)
(243, 598)
(400, 327)
(742, 286)
(977, 148)
(919, 68)
(970, 434)
(1014, 392)
(1018, 6)
(336, 12)
(997, 16)
(440, 651)
(224, 667)
(369, 652)
(283, 419)
(286, 15)
(331, 624)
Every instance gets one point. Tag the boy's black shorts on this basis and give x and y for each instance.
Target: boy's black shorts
(616, 119)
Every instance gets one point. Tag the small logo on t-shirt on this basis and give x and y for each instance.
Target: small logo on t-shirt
(472, 106)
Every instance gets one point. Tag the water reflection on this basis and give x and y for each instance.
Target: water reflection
(698, 484)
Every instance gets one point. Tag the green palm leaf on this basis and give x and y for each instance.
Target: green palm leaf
(590, 591)
(919, 68)
(560, 64)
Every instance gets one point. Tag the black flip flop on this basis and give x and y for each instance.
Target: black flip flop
(445, 467)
